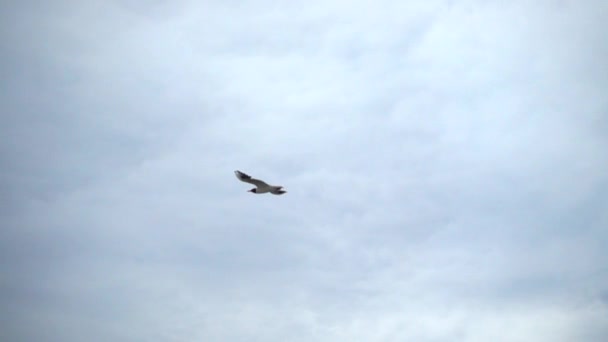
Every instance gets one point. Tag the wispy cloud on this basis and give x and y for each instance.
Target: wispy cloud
(445, 163)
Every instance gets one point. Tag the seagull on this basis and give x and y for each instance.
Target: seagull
(261, 186)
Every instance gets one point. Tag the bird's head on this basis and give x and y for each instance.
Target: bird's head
(252, 190)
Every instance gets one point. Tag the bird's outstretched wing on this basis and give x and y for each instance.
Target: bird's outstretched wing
(243, 177)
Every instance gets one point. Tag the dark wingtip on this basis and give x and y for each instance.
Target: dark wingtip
(242, 175)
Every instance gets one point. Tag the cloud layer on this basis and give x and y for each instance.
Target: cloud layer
(445, 163)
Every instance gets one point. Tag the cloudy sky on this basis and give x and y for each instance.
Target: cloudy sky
(445, 160)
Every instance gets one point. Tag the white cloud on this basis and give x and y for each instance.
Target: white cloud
(445, 166)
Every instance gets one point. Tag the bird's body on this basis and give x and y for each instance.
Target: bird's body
(261, 187)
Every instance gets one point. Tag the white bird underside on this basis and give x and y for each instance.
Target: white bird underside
(261, 186)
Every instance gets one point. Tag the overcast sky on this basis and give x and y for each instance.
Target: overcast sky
(446, 163)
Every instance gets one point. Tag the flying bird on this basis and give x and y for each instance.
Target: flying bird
(261, 186)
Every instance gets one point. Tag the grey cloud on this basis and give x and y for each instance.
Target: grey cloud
(445, 164)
